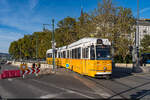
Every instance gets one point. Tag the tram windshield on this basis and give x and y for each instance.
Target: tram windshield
(102, 52)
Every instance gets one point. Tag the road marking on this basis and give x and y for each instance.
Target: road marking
(101, 92)
(49, 96)
(67, 90)
(9, 79)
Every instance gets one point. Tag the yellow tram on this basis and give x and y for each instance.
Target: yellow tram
(87, 56)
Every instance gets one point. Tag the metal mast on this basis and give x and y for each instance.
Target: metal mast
(136, 65)
(53, 44)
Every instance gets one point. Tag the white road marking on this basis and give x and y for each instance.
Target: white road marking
(102, 93)
(67, 90)
(49, 96)
(10, 79)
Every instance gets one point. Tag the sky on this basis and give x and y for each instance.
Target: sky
(20, 17)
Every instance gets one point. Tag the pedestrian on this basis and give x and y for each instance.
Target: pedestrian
(33, 65)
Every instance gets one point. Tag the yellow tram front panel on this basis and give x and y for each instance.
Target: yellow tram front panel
(96, 67)
(104, 67)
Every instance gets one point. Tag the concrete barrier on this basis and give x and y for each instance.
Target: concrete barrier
(128, 65)
(121, 67)
(44, 69)
(30, 65)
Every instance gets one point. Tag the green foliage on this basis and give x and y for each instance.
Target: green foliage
(145, 44)
(26, 47)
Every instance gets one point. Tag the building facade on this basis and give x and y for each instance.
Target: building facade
(144, 28)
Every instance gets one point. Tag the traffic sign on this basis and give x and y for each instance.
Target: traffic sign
(32, 70)
(28, 71)
(23, 67)
(67, 65)
(37, 70)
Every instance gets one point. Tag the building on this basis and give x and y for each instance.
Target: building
(144, 28)
(4, 56)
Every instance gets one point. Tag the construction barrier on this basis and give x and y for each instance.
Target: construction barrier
(10, 74)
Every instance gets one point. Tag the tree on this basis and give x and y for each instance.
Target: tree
(67, 30)
(14, 49)
(145, 44)
(116, 24)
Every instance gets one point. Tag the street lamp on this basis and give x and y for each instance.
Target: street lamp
(136, 64)
(53, 42)
(36, 47)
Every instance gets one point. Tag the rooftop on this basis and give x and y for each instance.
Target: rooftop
(144, 22)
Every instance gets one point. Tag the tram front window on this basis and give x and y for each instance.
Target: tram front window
(102, 52)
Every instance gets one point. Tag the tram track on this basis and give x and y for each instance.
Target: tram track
(114, 87)
(105, 87)
(103, 83)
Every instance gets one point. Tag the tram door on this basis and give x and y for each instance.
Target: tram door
(83, 66)
(84, 61)
(67, 58)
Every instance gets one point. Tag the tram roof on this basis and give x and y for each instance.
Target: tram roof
(89, 40)
(49, 51)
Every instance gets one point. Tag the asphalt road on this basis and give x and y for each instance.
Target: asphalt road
(44, 86)
(68, 84)
(124, 85)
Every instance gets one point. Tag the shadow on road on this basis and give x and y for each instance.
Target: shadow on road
(140, 94)
(137, 95)
(119, 72)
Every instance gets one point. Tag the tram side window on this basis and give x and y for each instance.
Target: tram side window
(83, 52)
(64, 54)
(79, 53)
(76, 53)
(92, 53)
(56, 53)
(61, 55)
(48, 55)
(70, 53)
(67, 53)
(87, 53)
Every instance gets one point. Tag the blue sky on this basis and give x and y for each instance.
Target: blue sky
(19, 17)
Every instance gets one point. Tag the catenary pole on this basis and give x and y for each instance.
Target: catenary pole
(136, 64)
(53, 44)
